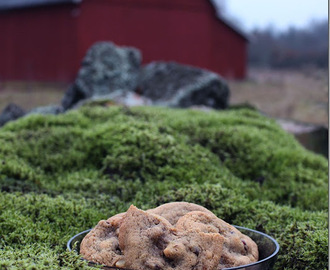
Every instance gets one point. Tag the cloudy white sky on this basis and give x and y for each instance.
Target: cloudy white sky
(279, 13)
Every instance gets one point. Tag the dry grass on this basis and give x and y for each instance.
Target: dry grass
(301, 96)
(29, 95)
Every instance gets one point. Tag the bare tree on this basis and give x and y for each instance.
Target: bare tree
(293, 48)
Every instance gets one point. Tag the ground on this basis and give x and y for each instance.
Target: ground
(290, 94)
(59, 175)
(298, 95)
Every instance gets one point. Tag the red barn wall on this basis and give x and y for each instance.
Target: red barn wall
(185, 31)
(162, 30)
(38, 44)
(48, 43)
(229, 52)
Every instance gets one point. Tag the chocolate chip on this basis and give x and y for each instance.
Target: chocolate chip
(118, 250)
(196, 250)
(245, 246)
(170, 262)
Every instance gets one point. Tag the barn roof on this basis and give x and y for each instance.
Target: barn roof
(13, 4)
(231, 25)
(228, 22)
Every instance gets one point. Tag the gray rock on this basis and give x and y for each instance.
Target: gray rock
(176, 85)
(119, 97)
(129, 98)
(51, 109)
(312, 137)
(105, 68)
(11, 112)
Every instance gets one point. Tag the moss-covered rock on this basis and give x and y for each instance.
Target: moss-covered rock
(59, 175)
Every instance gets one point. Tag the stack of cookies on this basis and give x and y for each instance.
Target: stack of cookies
(173, 236)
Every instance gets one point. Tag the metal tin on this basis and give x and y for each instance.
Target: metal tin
(267, 246)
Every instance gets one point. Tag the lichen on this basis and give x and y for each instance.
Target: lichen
(60, 175)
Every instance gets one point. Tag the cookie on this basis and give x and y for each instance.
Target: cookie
(101, 245)
(238, 249)
(143, 237)
(149, 241)
(194, 249)
(174, 210)
(174, 236)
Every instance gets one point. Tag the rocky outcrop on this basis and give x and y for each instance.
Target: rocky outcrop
(51, 109)
(127, 98)
(175, 85)
(105, 68)
(11, 112)
(313, 137)
(110, 72)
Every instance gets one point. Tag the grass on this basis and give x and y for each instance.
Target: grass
(290, 94)
(29, 95)
(60, 175)
(287, 94)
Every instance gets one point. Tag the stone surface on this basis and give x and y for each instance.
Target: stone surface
(313, 137)
(51, 109)
(105, 69)
(11, 112)
(176, 85)
(126, 98)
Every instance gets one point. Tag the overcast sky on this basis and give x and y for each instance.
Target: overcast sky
(279, 13)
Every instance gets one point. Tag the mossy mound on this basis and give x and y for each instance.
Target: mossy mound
(60, 175)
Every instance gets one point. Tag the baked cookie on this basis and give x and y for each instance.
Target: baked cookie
(174, 236)
(150, 242)
(238, 249)
(101, 244)
(174, 210)
(194, 249)
(142, 238)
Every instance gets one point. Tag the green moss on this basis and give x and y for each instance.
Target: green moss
(34, 229)
(302, 235)
(60, 175)
(255, 149)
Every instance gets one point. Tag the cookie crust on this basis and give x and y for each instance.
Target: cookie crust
(173, 236)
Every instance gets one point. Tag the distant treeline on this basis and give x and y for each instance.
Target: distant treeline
(293, 48)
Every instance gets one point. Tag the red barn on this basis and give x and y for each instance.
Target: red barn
(47, 39)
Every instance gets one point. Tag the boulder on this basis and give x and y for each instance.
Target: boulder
(176, 85)
(312, 137)
(105, 68)
(51, 109)
(126, 98)
(11, 112)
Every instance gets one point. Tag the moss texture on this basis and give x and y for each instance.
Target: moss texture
(60, 175)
